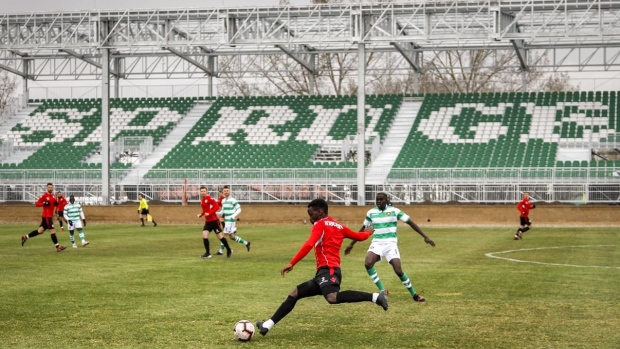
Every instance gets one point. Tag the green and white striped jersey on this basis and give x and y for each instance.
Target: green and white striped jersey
(73, 212)
(385, 223)
(231, 209)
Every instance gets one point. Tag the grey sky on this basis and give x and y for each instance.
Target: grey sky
(26, 6)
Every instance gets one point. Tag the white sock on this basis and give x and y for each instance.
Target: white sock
(268, 324)
(374, 297)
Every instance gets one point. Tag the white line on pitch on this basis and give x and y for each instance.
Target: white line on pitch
(492, 255)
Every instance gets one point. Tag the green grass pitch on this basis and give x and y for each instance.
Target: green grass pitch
(147, 287)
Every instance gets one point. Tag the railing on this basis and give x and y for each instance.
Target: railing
(482, 185)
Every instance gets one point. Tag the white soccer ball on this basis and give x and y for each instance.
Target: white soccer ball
(244, 330)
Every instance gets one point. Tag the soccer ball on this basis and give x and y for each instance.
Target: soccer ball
(244, 330)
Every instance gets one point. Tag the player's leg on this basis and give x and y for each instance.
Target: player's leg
(233, 235)
(60, 220)
(205, 241)
(394, 260)
(373, 256)
(307, 289)
(222, 238)
(50, 226)
(331, 290)
(80, 229)
(33, 233)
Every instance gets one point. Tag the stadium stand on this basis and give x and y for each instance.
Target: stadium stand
(469, 130)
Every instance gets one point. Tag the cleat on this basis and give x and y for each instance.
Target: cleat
(24, 238)
(220, 253)
(248, 246)
(62, 228)
(59, 248)
(85, 243)
(74, 245)
(519, 235)
(516, 238)
(382, 300)
(418, 298)
(261, 329)
(229, 253)
(205, 256)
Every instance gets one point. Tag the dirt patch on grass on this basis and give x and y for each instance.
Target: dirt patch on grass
(424, 215)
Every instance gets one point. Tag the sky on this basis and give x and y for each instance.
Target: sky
(27, 6)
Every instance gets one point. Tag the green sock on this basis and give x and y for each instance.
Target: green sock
(221, 247)
(81, 233)
(71, 238)
(407, 283)
(372, 272)
(239, 240)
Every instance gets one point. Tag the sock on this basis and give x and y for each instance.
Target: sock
(142, 220)
(268, 324)
(353, 297)
(32, 234)
(81, 233)
(71, 237)
(206, 243)
(372, 272)
(283, 310)
(60, 222)
(54, 239)
(225, 243)
(240, 240)
(375, 296)
(154, 223)
(525, 229)
(407, 283)
(221, 247)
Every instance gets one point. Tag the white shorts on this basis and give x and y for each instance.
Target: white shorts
(389, 250)
(74, 225)
(230, 227)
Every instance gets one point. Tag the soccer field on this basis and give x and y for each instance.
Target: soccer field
(147, 287)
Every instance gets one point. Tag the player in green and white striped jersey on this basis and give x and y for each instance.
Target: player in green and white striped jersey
(230, 210)
(74, 215)
(384, 220)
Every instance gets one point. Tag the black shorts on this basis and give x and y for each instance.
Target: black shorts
(325, 281)
(144, 211)
(214, 226)
(525, 221)
(60, 214)
(47, 223)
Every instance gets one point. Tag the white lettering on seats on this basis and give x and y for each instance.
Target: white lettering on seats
(437, 126)
(120, 120)
(231, 120)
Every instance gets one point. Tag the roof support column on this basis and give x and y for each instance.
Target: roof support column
(25, 92)
(361, 124)
(105, 126)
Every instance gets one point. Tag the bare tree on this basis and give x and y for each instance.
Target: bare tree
(8, 85)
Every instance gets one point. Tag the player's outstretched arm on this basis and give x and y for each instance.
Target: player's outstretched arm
(415, 227)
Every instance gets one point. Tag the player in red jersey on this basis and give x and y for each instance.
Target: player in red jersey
(326, 237)
(212, 222)
(48, 202)
(524, 206)
(60, 209)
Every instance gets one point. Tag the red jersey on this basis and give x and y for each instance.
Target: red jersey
(209, 207)
(48, 210)
(524, 206)
(62, 202)
(326, 237)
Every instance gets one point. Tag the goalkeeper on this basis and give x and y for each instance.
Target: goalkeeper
(75, 216)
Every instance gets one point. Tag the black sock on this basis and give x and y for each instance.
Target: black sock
(142, 220)
(206, 243)
(54, 239)
(154, 223)
(33, 234)
(60, 222)
(225, 243)
(284, 309)
(525, 229)
(353, 297)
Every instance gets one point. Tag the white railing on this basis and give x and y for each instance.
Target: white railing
(482, 185)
